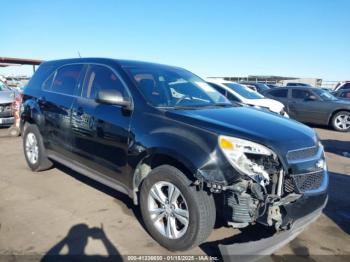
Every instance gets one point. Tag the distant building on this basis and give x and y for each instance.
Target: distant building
(310, 81)
(279, 80)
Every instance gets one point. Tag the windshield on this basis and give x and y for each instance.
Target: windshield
(325, 95)
(243, 91)
(164, 86)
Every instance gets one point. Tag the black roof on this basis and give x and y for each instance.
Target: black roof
(132, 63)
(120, 62)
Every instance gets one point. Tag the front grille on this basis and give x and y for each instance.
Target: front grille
(307, 182)
(302, 153)
(289, 185)
(5, 107)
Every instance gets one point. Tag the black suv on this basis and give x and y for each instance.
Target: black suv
(172, 143)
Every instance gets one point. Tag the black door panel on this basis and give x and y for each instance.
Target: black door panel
(57, 112)
(100, 131)
(56, 103)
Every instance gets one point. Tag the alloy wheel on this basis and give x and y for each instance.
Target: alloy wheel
(168, 210)
(32, 148)
(342, 122)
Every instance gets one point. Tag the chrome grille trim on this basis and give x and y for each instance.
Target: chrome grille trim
(302, 153)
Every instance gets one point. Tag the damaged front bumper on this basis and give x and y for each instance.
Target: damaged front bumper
(244, 204)
(254, 250)
(288, 200)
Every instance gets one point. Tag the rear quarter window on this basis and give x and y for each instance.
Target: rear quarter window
(43, 72)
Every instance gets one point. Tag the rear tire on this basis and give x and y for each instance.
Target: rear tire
(197, 209)
(34, 150)
(341, 121)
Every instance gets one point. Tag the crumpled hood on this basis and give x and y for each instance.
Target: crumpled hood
(279, 133)
(271, 104)
(7, 97)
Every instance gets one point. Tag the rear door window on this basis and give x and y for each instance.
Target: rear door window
(346, 86)
(280, 93)
(300, 94)
(98, 78)
(67, 78)
(345, 94)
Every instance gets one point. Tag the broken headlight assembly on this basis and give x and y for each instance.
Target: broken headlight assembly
(246, 157)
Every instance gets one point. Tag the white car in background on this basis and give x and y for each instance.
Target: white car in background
(12, 82)
(239, 93)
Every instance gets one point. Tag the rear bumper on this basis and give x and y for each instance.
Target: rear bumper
(254, 250)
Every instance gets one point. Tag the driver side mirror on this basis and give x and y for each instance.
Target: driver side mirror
(112, 97)
(311, 98)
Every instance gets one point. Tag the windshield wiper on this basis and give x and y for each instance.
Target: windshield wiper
(223, 104)
(203, 106)
(186, 107)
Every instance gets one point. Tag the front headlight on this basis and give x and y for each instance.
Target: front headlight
(322, 164)
(242, 155)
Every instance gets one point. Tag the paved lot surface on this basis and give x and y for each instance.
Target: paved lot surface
(60, 211)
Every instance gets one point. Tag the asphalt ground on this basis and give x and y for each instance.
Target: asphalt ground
(62, 212)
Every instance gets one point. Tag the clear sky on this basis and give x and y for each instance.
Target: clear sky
(304, 38)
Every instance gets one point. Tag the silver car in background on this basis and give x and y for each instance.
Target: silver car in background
(7, 98)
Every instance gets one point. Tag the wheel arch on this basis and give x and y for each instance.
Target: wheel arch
(158, 158)
(31, 114)
(335, 112)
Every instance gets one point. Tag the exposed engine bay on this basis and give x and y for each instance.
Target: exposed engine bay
(262, 200)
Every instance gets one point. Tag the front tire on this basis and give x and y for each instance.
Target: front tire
(341, 121)
(176, 214)
(34, 150)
